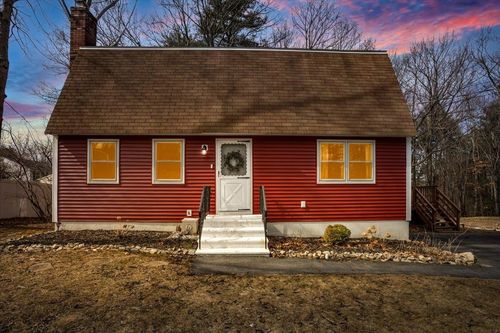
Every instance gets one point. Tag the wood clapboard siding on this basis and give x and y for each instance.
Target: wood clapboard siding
(135, 198)
(287, 169)
(286, 166)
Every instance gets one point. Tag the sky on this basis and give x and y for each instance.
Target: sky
(393, 24)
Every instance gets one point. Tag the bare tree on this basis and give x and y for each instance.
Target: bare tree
(118, 25)
(5, 28)
(452, 92)
(32, 158)
(436, 77)
(320, 24)
(487, 58)
(282, 36)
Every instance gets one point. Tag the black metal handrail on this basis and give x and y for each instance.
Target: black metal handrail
(263, 208)
(203, 210)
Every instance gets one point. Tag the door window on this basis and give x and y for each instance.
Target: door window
(233, 159)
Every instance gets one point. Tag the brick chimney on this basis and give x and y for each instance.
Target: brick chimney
(83, 29)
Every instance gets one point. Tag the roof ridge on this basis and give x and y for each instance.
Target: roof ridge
(263, 49)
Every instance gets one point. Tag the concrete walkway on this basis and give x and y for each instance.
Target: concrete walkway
(485, 245)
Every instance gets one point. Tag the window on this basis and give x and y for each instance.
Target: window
(103, 161)
(168, 161)
(332, 161)
(346, 161)
(360, 161)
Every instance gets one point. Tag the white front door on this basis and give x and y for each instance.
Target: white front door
(234, 176)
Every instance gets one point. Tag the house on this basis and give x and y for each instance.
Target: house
(139, 132)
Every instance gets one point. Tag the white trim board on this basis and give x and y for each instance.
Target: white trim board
(142, 48)
(408, 179)
(133, 226)
(397, 229)
(55, 179)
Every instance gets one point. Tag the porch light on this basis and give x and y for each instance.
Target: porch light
(204, 149)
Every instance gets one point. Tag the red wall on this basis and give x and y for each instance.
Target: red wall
(285, 166)
(287, 169)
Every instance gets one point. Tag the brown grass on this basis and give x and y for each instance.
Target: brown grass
(8, 231)
(481, 222)
(110, 291)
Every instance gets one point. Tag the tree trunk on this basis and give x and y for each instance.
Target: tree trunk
(5, 23)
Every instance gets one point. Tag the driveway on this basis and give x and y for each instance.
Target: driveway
(484, 244)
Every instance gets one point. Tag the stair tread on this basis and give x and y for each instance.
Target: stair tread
(235, 251)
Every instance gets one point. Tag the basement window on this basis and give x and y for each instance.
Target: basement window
(346, 161)
(168, 161)
(103, 160)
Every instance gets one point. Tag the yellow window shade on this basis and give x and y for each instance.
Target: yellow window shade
(103, 151)
(168, 170)
(103, 171)
(332, 170)
(360, 170)
(168, 151)
(361, 152)
(332, 151)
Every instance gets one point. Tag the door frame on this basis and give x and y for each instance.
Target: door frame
(218, 142)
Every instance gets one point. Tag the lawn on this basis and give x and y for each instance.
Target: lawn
(77, 290)
(481, 222)
(108, 291)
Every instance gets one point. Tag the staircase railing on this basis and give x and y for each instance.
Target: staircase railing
(448, 208)
(430, 200)
(263, 208)
(425, 209)
(203, 210)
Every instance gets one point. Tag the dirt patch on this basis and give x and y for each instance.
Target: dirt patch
(482, 222)
(113, 291)
(158, 240)
(11, 231)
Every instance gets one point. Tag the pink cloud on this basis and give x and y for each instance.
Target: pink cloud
(13, 110)
(396, 31)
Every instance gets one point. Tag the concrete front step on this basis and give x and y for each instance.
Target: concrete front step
(235, 252)
(233, 225)
(233, 235)
(230, 218)
(233, 242)
(238, 232)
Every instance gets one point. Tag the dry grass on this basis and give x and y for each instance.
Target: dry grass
(481, 222)
(111, 291)
(9, 231)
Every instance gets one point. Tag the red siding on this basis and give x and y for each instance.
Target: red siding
(285, 166)
(287, 169)
(135, 198)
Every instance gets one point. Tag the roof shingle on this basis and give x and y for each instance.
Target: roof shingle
(232, 92)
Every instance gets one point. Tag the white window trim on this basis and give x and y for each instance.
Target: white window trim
(346, 179)
(153, 162)
(117, 162)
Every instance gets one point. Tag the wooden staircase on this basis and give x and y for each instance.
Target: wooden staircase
(435, 209)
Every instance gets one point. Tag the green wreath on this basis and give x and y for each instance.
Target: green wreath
(233, 161)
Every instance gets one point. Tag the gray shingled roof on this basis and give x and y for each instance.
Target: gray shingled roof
(147, 91)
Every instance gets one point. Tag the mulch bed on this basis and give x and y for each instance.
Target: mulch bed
(353, 245)
(158, 240)
(369, 249)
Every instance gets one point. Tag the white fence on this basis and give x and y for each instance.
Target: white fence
(14, 202)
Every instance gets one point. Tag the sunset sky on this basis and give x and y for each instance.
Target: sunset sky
(393, 24)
